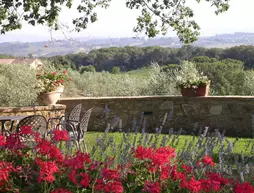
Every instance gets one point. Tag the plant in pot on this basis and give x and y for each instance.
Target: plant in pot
(191, 82)
(51, 86)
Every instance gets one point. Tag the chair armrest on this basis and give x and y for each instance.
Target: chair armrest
(54, 118)
(5, 132)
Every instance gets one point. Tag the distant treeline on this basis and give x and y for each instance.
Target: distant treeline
(130, 58)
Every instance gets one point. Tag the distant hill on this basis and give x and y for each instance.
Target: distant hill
(63, 47)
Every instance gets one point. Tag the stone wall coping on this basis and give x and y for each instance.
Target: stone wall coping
(168, 97)
(32, 108)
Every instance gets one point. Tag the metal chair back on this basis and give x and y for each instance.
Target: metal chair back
(84, 124)
(75, 113)
(38, 123)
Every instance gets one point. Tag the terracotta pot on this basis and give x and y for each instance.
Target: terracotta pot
(49, 98)
(188, 92)
(203, 90)
(200, 91)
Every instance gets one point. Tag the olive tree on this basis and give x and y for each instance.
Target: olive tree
(156, 16)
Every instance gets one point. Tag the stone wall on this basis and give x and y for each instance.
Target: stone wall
(46, 111)
(235, 114)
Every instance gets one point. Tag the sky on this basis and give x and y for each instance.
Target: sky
(118, 21)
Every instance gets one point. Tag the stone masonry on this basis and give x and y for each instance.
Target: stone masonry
(234, 114)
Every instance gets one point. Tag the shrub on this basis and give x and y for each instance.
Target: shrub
(89, 68)
(161, 82)
(94, 84)
(17, 86)
(115, 70)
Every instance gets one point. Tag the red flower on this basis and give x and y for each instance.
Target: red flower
(73, 177)
(94, 165)
(61, 190)
(207, 160)
(78, 161)
(164, 173)
(70, 79)
(162, 155)
(188, 169)
(142, 153)
(85, 181)
(2, 140)
(5, 170)
(110, 174)
(26, 130)
(194, 185)
(151, 187)
(209, 185)
(244, 188)
(45, 147)
(109, 187)
(60, 81)
(14, 142)
(47, 170)
(65, 71)
(54, 73)
(60, 135)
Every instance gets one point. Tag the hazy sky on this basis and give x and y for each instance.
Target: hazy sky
(118, 21)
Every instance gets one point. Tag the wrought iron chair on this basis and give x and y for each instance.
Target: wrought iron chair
(73, 118)
(77, 133)
(38, 123)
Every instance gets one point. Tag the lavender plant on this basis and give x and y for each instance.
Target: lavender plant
(233, 157)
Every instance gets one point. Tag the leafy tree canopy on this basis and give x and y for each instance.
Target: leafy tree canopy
(156, 15)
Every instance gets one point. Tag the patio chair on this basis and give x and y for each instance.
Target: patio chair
(77, 133)
(38, 123)
(73, 118)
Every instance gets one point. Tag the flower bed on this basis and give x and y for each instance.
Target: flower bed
(43, 166)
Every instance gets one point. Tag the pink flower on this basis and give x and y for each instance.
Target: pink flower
(54, 73)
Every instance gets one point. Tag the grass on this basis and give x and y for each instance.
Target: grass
(242, 145)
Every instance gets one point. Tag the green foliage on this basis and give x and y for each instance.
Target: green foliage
(60, 62)
(94, 84)
(202, 59)
(3, 56)
(156, 16)
(17, 86)
(227, 76)
(89, 68)
(170, 67)
(131, 58)
(161, 82)
(248, 86)
(115, 70)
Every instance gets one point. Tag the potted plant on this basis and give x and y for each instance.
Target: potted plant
(51, 86)
(191, 82)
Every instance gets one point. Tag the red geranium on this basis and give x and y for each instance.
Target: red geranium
(207, 160)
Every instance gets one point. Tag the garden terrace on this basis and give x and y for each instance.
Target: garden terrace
(234, 114)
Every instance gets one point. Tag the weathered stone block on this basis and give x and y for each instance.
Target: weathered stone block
(216, 110)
